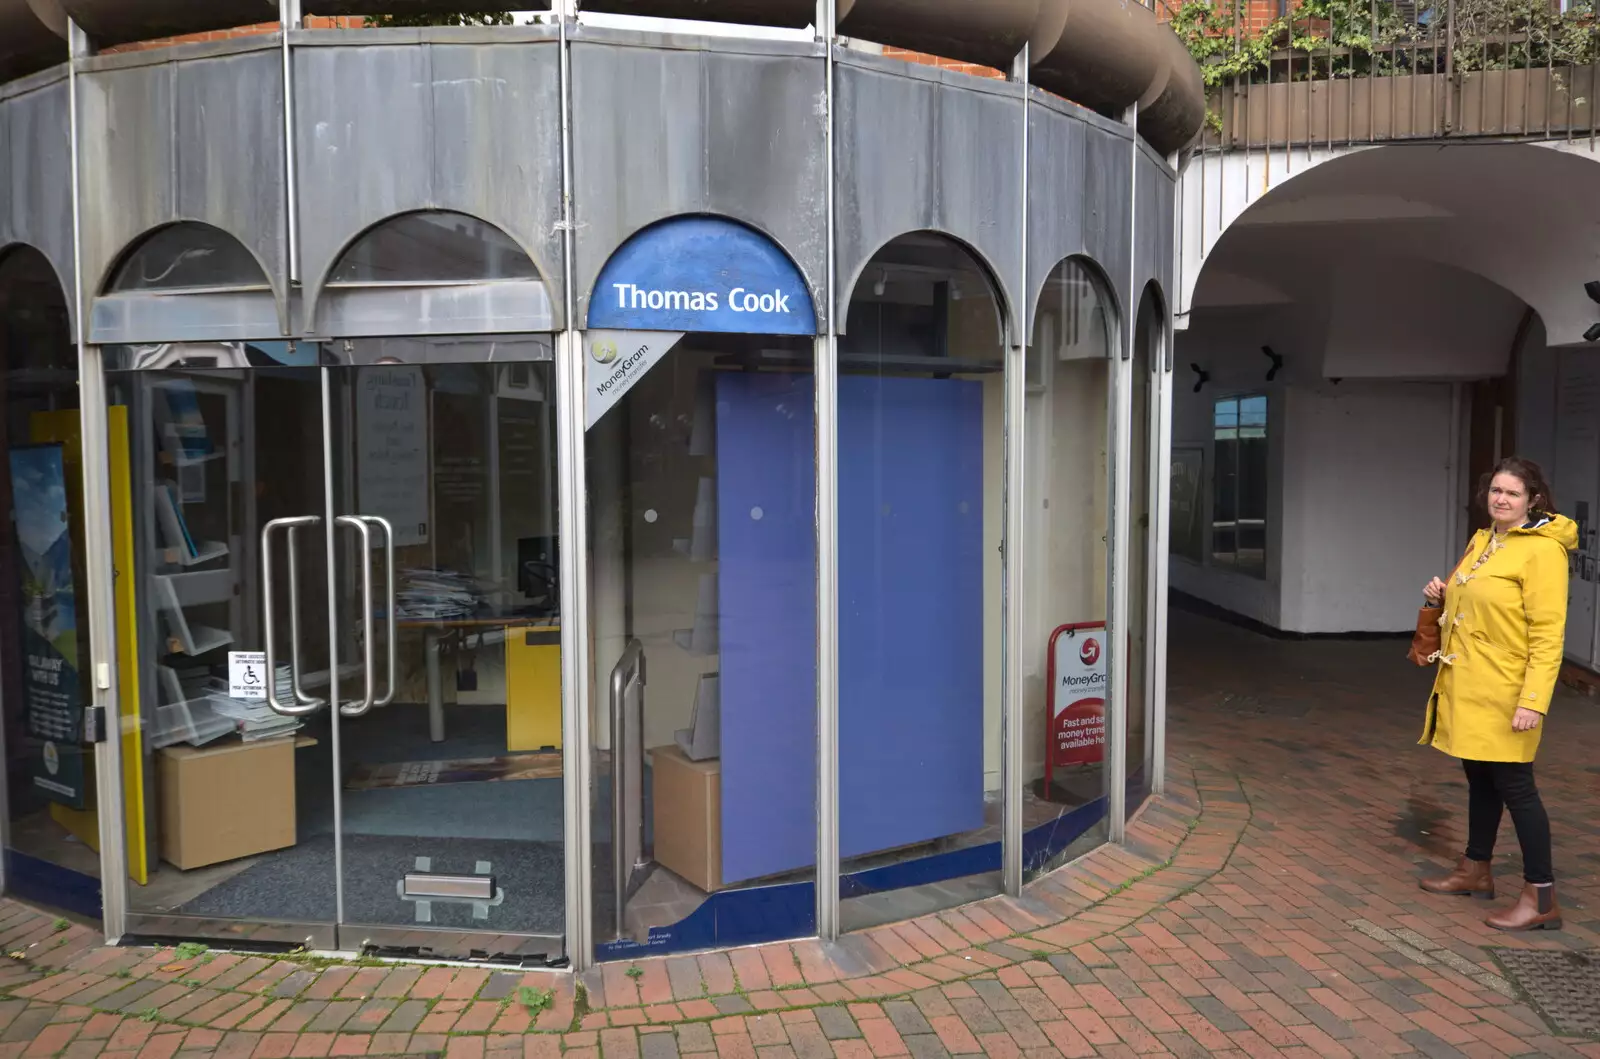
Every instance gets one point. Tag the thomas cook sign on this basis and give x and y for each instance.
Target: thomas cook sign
(702, 274)
(685, 275)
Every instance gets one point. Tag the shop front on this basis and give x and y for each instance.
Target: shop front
(558, 495)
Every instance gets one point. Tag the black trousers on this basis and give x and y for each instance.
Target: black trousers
(1495, 786)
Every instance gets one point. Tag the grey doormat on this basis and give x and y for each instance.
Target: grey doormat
(297, 884)
(1563, 985)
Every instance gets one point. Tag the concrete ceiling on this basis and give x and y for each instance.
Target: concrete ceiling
(1524, 217)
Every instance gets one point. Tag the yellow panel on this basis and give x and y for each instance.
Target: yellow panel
(65, 428)
(533, 688)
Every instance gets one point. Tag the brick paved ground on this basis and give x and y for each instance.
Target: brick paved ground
(1267, 906)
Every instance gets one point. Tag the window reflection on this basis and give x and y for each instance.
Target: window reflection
(189, 256)
(433, 248)
(1066, 526)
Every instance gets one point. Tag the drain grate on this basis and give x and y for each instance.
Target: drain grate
(1564, 986)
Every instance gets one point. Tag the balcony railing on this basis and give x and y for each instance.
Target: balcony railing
(1343, 72)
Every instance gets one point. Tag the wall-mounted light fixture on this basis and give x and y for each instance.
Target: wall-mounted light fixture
(1592, 289)
(1202, 376)
(1277, 362)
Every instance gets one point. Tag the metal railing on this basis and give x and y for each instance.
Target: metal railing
(627, 774)
(1333, 73)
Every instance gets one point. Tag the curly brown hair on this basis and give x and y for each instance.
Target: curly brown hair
(1540, 498)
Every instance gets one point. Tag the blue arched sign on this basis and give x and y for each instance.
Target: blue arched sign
(702, 274)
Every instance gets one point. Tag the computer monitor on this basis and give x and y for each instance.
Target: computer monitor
(539, 573)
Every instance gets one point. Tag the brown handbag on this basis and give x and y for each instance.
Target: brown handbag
(1425, 643)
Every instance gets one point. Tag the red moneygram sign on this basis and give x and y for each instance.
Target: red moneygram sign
(1077, 706)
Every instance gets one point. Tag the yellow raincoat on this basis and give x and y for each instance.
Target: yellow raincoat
(1501, 645)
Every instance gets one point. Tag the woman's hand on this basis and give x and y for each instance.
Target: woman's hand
(1526, 720)
(1434, 592)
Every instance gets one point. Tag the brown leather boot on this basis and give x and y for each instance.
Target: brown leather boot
(1536, 909)
(1470, 877)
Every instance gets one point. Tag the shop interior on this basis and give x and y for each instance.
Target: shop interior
(51, 836)
(448, 760)
(1066, 527)
(712, 452)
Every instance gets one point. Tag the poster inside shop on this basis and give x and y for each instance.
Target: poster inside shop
(50, 680)
(1077, 696)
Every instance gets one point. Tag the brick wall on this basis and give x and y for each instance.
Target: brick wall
(943, 64)
(312, 22)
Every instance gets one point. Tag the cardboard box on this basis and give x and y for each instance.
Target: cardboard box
(688, 816)
(226, 801)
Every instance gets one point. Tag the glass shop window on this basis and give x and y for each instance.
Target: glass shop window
(1239, 484)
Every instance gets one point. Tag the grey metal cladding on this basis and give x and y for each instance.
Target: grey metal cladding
(36, 169)
(197, 140)
(1107, 198)
(1152, 235)
(1057, 156)
(663, 132)
(926, 153)
(386, 130)
(229, 159)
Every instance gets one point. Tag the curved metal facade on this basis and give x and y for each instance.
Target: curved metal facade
(470, 123)
(1103, 54)
(383, 123)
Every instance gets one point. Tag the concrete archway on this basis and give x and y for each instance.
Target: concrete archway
(1522, 216)
(1403, 311)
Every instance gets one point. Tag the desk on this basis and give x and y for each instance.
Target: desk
(445, 634)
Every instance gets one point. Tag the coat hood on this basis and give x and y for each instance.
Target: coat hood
(1558, 528)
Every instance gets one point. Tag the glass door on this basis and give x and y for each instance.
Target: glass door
(228, 799)
(449, 761)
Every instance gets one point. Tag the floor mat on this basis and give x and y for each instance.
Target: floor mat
(537, 766)
(297, 884)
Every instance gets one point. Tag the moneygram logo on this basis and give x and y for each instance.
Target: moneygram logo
(603, 352)
(1089, 653)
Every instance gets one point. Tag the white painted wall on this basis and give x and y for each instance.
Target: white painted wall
(1359, 478)
(1366, 504)
(1399, 318)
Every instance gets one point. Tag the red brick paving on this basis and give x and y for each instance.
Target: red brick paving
(1265, 906)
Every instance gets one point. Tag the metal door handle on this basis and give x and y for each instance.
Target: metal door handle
(388, 551)
(300, 695)
(359, 524)
(303, 704)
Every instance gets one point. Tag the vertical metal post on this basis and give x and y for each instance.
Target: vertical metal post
(289, 20)
(100, 574)
(827, 419)
(330, 532)
(1160, 552)
(1016, 353)
(576, 661)
(1121, 497)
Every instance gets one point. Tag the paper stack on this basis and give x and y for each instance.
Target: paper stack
(434, 595)
(256, 720)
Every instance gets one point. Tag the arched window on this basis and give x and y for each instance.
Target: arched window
(430, 248)
(188, 256)
(434, 272)
(186, 282)
(35, 328)
(923, 296)
(1149, 361)
(921, 509)
(1066, 519)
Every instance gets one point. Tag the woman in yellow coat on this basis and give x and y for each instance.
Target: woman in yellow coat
(1502, 632)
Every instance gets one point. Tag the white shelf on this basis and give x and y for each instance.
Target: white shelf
(193, 721)
(206, 552)
(185, 460)
(200, 587)
(205, 639)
